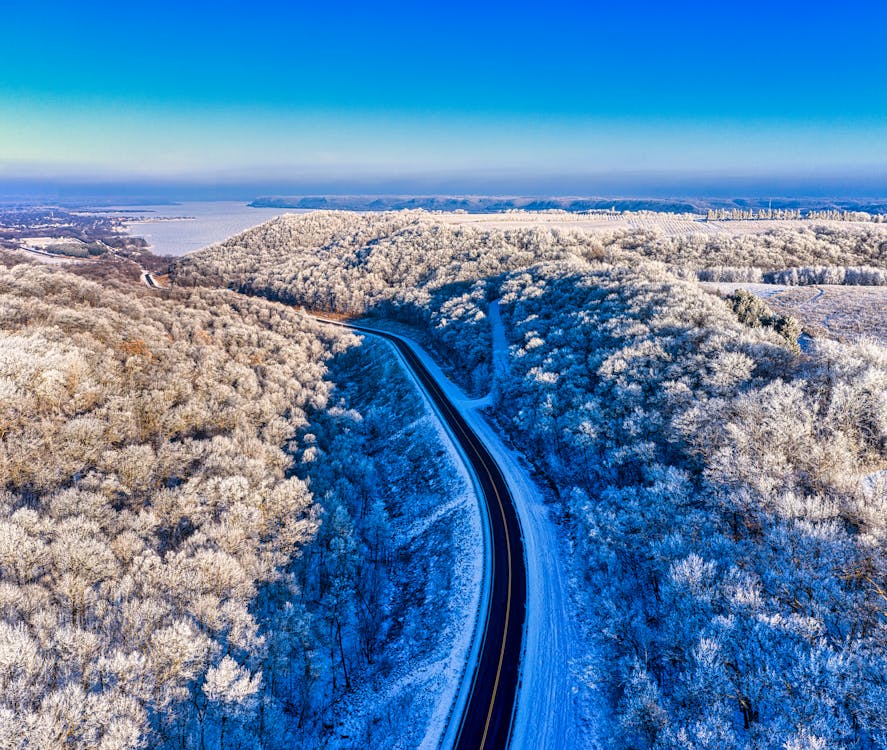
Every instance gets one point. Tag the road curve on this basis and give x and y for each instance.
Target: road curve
(487, 719)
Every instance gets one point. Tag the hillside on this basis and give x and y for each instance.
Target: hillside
(202, 540)
(720, 492)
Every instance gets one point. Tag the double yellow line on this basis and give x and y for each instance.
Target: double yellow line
(468, 440)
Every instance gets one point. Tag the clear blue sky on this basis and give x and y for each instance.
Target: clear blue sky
(444, 95)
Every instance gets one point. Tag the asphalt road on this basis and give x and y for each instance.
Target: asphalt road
(487, 719)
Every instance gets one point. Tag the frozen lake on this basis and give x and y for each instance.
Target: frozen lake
(211, 221)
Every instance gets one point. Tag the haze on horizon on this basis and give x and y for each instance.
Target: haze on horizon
(571, 99)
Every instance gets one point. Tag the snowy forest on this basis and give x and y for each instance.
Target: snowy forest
(225, 525)
(818, 254)
(721, 493)
(203, 543)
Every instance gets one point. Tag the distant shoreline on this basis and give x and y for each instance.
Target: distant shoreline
(201, 223)
(159, 219)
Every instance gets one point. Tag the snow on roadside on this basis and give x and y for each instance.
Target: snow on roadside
(557, 707)
(412, 706)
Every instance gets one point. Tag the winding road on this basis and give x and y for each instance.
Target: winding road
(487, 718)
(486, 721)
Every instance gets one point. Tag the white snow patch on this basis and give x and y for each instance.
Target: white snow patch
(757, 289)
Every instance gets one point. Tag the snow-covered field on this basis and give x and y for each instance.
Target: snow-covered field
(662, 223)
(764, 291)
(670, 224)
(851, 312)
(33, 253)
(756, 226)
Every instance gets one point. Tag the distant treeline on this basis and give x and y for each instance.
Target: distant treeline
(724, 209)
(831, 214)
(472, 204)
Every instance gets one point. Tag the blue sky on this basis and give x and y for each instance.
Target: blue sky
(364, 95)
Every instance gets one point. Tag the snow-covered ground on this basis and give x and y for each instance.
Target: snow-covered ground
(669, 224)
(556, 708)
(845, 312)
(663, 223)
(759, 290)
(42, 256)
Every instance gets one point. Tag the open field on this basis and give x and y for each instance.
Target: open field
(595, 222)
(850, 312)
(663, 223)
(844, 312)
(757, 226)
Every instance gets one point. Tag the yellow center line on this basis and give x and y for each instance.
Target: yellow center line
(507, 617)
(483, 463)
(470, 436)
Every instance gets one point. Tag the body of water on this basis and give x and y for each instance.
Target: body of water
(209, 222)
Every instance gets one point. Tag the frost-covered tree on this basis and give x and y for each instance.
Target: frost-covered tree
(717, 487)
